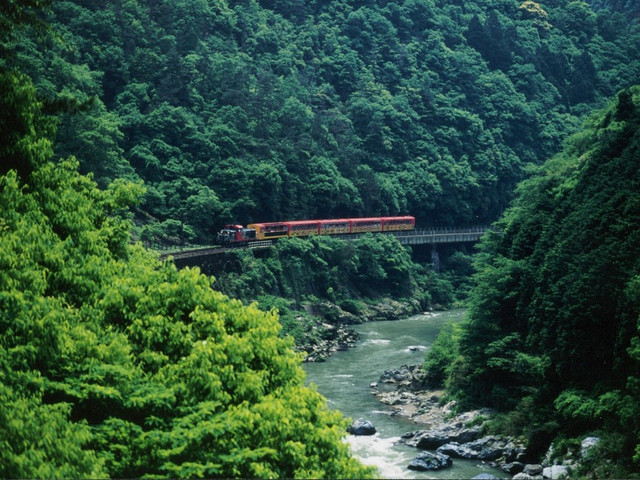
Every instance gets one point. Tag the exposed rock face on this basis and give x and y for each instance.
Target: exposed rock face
(513, 467)
(430, 461)
(433, 439)
(530, 472)
(458, 451)
(405, 378)
(465, 442)
(533, 469)
(361, 427)
(556, 472)
(404, 374)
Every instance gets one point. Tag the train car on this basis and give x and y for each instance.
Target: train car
(235, 234)
(303, 228)
(335, 227)
(394, 224)
(267, 231)
(363, 225)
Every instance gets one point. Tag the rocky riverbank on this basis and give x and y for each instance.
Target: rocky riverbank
(333, 324)
(335, 338)
(443, 435)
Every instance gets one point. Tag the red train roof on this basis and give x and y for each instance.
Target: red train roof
(337, 220)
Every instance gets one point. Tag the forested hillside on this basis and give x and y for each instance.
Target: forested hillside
(162, 120)
(552, 335)
(268, 110)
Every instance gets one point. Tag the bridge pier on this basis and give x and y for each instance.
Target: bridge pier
(435, 258)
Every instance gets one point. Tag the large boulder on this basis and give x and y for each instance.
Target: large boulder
(530, 472)
(556, 472)
(361, 427)
(430, 461)
(493, 447)
(513, 467)
(533, 469)
(458, 451)
(403, 374)
(432, 439)
(526, 476)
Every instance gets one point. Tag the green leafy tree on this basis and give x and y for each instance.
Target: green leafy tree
(180, 89)
(115, 364)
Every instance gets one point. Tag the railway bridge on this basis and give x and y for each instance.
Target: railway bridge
(419, 236)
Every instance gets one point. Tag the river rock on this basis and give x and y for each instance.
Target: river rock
(484, 476)
(526, 476)
(587, 444)
(337, 338)
(556, 472)
(457, 451)
(361, 427)
(397, 375)
(512, 468)
(530, 472)
(430, 461)
(432, 439)
(533, 469)
(493, 447)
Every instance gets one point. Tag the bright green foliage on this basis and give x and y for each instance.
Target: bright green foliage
(113, 364)
(553, 319)
(39, 441)
(442, 355)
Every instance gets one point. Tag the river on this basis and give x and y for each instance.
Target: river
(345, 377)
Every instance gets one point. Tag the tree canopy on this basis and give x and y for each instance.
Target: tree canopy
(268, 110)
(552, 333)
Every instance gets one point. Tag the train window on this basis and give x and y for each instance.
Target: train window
(275, 228)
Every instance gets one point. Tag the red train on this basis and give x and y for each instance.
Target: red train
(304, 228)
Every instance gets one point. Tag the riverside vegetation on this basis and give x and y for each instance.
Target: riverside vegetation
(188, 114)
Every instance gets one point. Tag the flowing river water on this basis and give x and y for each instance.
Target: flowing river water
(345, 378)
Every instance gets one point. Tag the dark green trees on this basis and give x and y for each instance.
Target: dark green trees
(553, 319)
(273, 110)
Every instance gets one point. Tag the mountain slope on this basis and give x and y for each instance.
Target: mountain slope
(553, 322)
(245, 110)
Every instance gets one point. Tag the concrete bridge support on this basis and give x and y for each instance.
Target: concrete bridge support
(435, 258)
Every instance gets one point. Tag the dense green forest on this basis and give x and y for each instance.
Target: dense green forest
(553, 335)
(267, 110)
(126, 120)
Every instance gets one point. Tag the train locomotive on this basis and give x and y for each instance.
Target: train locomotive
(237, 234)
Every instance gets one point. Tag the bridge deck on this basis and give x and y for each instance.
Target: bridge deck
(413, 237)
